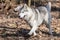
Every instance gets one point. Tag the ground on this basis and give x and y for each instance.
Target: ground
(14, 28)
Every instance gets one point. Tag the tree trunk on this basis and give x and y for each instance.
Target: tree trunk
(29, 2)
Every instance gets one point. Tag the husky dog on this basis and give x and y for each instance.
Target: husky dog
(36, 16)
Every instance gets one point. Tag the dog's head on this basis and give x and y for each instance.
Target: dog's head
(24, 11)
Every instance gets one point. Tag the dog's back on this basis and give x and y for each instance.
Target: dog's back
(43, 13)
(46, 9)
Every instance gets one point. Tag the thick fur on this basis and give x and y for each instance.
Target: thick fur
(36, 16)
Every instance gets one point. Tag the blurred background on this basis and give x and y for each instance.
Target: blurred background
(14, 28)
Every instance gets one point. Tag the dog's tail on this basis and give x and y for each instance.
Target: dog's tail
(49, 6)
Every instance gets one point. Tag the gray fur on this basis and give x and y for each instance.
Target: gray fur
(35, 17)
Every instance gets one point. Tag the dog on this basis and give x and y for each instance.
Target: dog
(36, 16)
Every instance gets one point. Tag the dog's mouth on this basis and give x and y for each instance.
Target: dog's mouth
(22, 17)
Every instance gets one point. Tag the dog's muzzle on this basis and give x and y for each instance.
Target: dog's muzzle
(22, 17)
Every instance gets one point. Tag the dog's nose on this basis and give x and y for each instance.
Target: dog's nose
(18, 16)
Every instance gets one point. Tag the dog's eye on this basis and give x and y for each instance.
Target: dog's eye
(22, 12)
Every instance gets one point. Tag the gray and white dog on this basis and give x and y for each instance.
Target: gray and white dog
(36, 16)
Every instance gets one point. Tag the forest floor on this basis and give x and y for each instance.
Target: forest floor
(15, 28)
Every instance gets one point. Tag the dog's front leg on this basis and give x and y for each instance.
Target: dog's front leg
(33, 31)
(34, 28)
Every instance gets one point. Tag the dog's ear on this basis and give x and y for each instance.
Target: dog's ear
(25, 6)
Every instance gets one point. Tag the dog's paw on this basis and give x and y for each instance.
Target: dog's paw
(34, 34)
(27, 35)
(30, 33)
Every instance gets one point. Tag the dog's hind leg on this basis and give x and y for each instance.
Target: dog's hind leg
(48, 18)
(48, 25)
